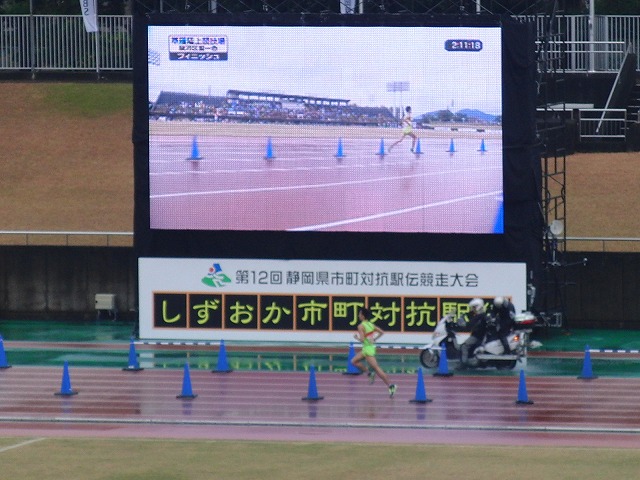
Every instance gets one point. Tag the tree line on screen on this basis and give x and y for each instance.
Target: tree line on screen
(501, 7)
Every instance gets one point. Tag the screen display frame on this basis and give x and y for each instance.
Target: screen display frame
(304, 244)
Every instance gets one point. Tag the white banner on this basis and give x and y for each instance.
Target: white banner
(89, 15)
(311, 300)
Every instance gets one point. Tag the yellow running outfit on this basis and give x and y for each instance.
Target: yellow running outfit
(368, 344)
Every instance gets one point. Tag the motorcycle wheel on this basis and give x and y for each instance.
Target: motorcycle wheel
(504, 365)
(429, 359)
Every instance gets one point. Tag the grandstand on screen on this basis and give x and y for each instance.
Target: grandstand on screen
(261, 107)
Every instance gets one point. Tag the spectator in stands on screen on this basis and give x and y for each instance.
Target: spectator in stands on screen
(407, 130)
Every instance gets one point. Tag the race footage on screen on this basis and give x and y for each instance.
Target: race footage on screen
(325, 128)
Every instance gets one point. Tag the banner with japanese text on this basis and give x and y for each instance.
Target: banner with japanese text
(311, 300)
(89, 10)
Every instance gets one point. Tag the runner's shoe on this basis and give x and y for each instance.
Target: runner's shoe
(372, 377)
(392, 390)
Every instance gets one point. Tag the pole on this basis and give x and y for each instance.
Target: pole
(32, 41)
(592, 35)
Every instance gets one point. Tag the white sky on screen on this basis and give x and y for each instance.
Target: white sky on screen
(354, 63)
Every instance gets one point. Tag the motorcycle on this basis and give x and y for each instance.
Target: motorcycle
(489, 353)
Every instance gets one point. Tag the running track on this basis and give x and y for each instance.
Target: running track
(567, 411)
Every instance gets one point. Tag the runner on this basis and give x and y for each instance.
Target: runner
(407, 131)
(367, 334)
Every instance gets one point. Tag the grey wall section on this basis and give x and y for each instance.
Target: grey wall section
(63, 281)
(605, 293)
(53, 282)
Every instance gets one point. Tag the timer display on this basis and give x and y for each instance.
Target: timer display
(463, 45)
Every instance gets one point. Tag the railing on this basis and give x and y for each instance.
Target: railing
(600, 123)
(603, 244)
(125, 239)
(60, 42)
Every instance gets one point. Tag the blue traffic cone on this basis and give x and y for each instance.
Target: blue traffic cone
(443, 365)
(223, 365)
(452, 148)
(269, 154)
(421, 394)
(312, 393)
(340, 152)
(587, 373)
(381, 151)
(3, 355)
(418, 150)
(523, 398)
(65, 387)
(133, 365)
(351, 368)
(482, 148)
(187, 392)
(195, 153)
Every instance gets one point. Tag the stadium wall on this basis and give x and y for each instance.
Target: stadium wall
(41, 282)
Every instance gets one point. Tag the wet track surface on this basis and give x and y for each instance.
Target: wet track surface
(266, 394)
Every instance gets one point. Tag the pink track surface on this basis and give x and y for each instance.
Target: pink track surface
(306, 187)
(269, 406)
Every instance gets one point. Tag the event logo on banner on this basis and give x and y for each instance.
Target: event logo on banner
(89, 15)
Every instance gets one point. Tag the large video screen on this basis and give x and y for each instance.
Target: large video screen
(391, 137)
(356, 128)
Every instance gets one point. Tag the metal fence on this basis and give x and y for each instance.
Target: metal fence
(602, 123)
(60, 42)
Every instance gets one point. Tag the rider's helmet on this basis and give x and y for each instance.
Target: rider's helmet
(499, 302)
(476, 306)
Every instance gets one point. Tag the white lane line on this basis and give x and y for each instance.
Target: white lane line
(389, 214)
(306, 186)
(21, 444)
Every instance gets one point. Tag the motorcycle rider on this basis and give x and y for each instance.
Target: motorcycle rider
(478, 324)
(505, 314)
